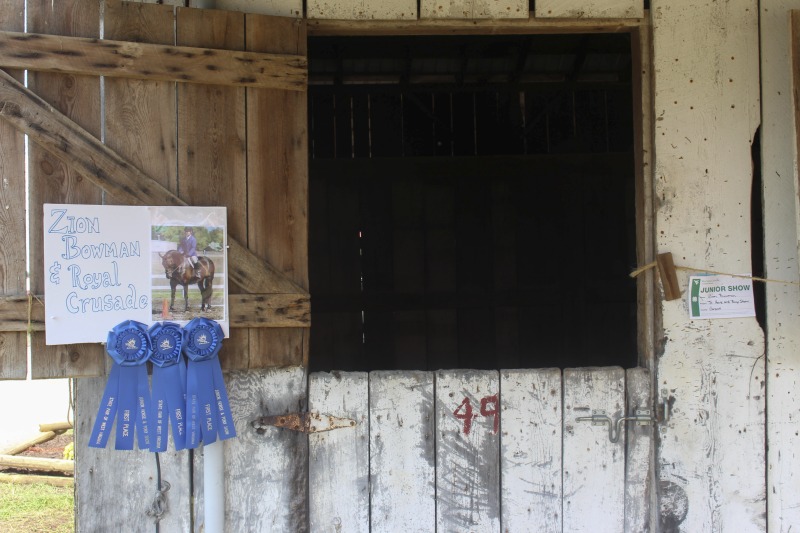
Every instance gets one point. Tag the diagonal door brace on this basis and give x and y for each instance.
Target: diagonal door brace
(79, 149)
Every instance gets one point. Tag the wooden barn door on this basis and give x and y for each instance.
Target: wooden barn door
(480, 451)
(216, 115)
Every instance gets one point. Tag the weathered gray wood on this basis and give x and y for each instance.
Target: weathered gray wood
(13, 346)
(338, 471)
(156, 62)
(245, 310)
(102, 166)
(266, 476)
(402, 455)
(530, 455)
(114, 489)
(467, 451)
(50, 180)
(594, 467)
(639, 459)
(277, 192)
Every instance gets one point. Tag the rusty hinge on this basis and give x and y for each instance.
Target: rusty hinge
(302, 422)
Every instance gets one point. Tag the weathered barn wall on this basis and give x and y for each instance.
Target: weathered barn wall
(13, 362)
(779, 172)
(711, 457)
(711, 453)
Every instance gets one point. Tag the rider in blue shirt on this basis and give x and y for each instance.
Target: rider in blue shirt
(188, 247)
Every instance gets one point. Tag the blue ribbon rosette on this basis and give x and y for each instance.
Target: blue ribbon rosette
(169, 386)
(127, 392)
(206, 398)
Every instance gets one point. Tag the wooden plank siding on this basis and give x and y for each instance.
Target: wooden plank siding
(531, 456)
(140, 125)
(453, 451)
(594, 467)
(52, 181)
(13, 345)
(277, 196)
(467, 451)
(402, 480)
(212, 158)
(339, 460)
(266, 475)
(152, 129)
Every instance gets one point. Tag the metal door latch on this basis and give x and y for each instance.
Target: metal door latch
(302, 422)
(642, 417)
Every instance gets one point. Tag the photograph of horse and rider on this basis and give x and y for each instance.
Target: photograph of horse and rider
(188, 258)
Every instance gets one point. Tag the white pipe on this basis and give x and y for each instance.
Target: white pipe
(214, 488)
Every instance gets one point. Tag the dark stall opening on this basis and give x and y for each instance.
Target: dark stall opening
(471, 202)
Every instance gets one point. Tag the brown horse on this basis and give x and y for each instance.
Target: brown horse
(172, 261)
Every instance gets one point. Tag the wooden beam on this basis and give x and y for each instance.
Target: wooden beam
(39, 464)
(329, 28)
(128, 185)
(244, 310)
(33, 441)
(100, 57)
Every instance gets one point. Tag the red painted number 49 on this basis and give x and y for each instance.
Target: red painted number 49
(489, 407)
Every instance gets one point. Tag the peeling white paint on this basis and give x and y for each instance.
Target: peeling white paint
(598, 9)
(707, 110)
(779, 174)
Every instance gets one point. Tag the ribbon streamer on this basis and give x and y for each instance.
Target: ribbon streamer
(169, 386)
(127, 394)
(206, 397)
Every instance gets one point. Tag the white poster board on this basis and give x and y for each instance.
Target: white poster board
(715, 296)
(105, 264)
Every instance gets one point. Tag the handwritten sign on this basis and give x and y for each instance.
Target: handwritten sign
(103, 265)
(720, 297)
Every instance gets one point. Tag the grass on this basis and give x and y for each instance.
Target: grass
(36, 508)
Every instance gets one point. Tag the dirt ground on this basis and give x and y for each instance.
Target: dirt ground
(53, 449)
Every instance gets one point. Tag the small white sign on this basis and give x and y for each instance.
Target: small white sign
(715, 296)
(106, 264)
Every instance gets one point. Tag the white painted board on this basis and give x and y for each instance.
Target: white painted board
(780, 196)
(467, 451)
(595, 9)
(707, 100)
(530, 455)
(339, 459)
(362, 9)
(639, 460)
(279, 8)
(266, 476)
(402, 454)
(594, 467)
(473, 9)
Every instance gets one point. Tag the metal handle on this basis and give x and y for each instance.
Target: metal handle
(641, 417)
